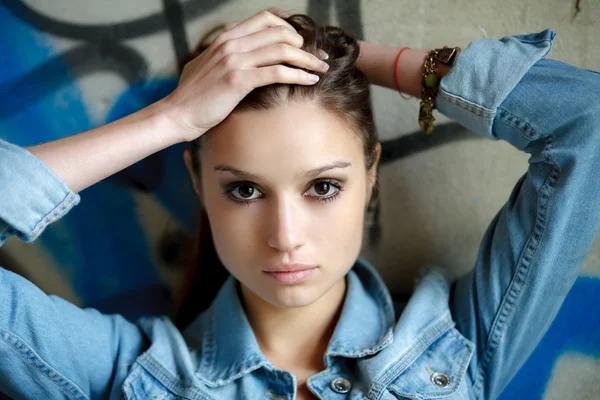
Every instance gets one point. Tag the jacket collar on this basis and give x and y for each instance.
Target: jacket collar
(228, 348)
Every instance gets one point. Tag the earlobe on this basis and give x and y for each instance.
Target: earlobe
(195, 176)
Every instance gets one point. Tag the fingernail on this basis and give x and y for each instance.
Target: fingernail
(324, 65)
(323, 55)
(313, 78)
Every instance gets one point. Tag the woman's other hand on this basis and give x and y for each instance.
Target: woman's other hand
(247, 56)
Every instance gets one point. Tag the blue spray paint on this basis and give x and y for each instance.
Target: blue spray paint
(575, 329)
(99, 245)
(174, 191)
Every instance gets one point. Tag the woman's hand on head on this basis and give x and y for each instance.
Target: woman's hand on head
(242, 58)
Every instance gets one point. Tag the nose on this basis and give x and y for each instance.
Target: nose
(285, 230)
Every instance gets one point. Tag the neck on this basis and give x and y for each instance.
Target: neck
(295, 336)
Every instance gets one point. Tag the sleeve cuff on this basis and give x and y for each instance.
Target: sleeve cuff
(484, 74)
(31, 195)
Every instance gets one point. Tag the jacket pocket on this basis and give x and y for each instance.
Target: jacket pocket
(142, 385)
(439, 372)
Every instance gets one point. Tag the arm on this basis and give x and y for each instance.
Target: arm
(37, 191)
(377, 63)
(85, 159)
(535, 246)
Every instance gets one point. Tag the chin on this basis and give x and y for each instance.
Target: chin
(292, 296)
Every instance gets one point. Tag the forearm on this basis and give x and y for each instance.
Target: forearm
(86, 158)
(377, 62)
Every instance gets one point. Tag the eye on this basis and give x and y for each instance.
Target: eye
(245, 192)
(325, 189)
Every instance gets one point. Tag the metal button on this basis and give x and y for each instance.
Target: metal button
(340, 385)
(440, 379)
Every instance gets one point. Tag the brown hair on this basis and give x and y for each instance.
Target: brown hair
(343, 90)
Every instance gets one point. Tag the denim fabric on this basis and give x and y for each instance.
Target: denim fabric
(461, 340)
(31, 196)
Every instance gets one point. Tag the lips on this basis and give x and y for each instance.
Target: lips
(293, 277)
(290, 268)
(290, 274)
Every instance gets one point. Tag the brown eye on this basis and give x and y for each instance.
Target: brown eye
(322, 188)
(244, 191)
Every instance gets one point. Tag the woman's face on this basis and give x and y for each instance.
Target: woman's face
(284, 186)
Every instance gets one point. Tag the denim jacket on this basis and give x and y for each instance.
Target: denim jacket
(451, 340)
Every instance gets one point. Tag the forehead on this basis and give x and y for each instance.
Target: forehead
(292, 137)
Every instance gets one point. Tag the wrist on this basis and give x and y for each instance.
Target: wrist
(377, 62)
(171, 125)
(410, 66)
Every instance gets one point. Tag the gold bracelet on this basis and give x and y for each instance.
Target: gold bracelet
(430, 83)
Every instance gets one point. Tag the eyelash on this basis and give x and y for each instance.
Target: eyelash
(234, 185)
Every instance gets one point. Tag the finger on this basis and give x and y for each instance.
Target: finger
(282, 53)
(265, 37)
(273, 10)
(257, 77)
(230, 25)
(260, 21)
(278, 12)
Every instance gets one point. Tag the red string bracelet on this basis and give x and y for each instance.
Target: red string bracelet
(396, 71)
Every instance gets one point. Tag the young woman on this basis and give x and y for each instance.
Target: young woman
(285, 162)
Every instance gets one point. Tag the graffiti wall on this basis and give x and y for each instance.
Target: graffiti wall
(68, 66)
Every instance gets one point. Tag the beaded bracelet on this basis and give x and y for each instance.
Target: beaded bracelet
(430, 83)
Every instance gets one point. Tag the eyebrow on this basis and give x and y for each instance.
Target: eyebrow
(308, 174)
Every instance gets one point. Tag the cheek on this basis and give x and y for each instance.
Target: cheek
(233, 229)
(341, 230)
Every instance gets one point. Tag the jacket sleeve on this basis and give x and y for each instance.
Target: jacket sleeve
(31, 195)
(50, 348)
(535, 246)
